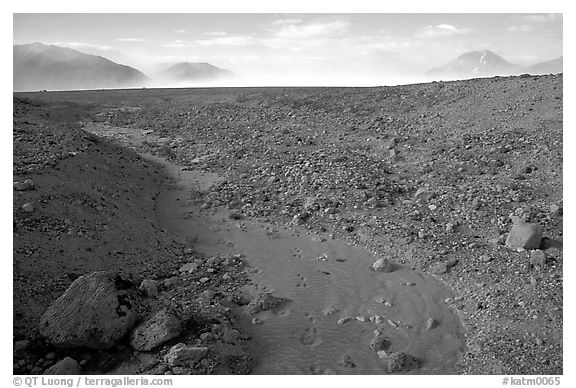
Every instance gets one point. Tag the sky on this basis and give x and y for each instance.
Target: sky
(352, 47)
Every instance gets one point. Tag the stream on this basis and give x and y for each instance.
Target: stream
(336, 301)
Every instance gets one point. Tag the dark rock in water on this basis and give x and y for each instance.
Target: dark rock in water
(383, 265)
(401, 362)
(184, 355)
(380, 343)
(96, 311)
(524, 235)
(67, 366)
(264, 302)
(156, 330)
(431, 323)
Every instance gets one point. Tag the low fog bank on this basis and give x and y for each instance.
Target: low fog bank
(238, 81)
(296, 81)
(265, 81)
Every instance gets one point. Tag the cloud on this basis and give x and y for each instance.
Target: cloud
(83, 45)
(295, 29)
(225, 40)
(215, 39)
(180, 31)
(175, 44)
(367, 45)
(539, 18)
(441, 30)
(282, 22)
(135, 40)
(294, 34)
(536, 23)
(215, 33)
(522, 28)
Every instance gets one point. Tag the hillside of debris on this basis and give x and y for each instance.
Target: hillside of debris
(84, 218)
(461, 180)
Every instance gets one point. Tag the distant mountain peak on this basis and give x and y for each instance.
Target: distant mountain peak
(193, 71)
(476, 63)
(41, 66)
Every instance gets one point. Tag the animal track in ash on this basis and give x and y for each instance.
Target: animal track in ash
(310, 337)
(298, 253)
(302, 281)
(310, 317)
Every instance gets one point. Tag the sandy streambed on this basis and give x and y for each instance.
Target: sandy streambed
(336, 303)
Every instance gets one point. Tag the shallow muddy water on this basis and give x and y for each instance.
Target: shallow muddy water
(336, 302)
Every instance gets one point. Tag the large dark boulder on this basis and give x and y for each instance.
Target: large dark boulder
(96, 311)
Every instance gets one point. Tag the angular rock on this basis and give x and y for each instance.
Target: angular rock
(344, 320)
(28, 207)
(149, 287)
(156, 330)
(264, 302)
(189, 267)
(555, 209)
(300, 218)
(231, 336)
(380, 343)
(451, 262)
(173, 281)
(96, 311)
(524, 235)
(184, 355)
(431, 323)
(67, 366)
(538, 258)
(28, 184)
(423, 194)
(439, 268)
(310, 204)
(383, 265)
(22, 345)
(401, 362)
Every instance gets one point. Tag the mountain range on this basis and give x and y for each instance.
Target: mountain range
(38, 66)
(485, 63)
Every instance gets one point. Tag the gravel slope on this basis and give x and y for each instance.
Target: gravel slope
(92, 208)
(427, 175)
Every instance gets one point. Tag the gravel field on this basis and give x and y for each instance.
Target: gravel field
(431, 176)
